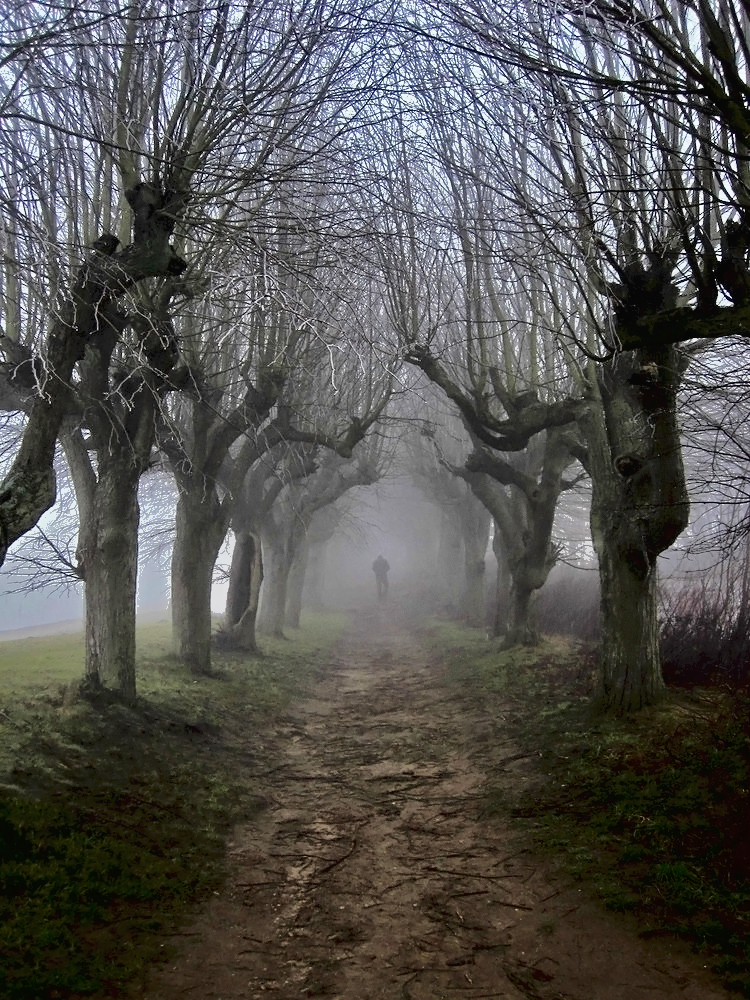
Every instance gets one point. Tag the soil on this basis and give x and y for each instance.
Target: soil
(374, 874)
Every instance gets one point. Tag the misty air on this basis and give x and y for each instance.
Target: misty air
(374, 500)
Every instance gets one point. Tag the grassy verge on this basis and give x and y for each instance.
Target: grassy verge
(649, 813)
(112, 819)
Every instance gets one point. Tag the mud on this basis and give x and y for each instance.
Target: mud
(373, 874)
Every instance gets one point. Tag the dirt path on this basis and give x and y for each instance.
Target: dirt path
(372, 876)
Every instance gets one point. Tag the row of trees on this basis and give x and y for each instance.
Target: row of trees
(224, 228)
(171, 216)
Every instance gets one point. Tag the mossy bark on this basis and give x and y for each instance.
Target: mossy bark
(245, 579)
(111, 565)
(200, 529)
(639, 508)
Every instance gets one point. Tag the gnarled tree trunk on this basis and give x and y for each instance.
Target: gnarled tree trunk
(524, 513)
(277, 562)
(296, 584)
(245, 579)
(639, 508)
(200, 531)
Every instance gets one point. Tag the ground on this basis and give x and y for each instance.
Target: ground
(374, 873)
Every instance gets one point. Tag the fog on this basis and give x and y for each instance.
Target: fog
(392, 519)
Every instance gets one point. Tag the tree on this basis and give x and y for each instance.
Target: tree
(263, 484)
(481, 336)
(285, 527)
(199, 106)
(87, 309)
(465, 521)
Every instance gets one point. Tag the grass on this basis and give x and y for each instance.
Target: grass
(649, 813)
(113, 820)
(34, 664)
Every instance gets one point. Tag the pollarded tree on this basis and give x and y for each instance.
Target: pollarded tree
(197, 105)
(625, 250)
(103, 322)
(481, 336)
(265, 366)
(108, 449)
(643, 108)
(85, 312)
(285, 526)
(435, 451)
(263, 483)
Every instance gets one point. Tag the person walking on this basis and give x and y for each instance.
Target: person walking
(380, 568)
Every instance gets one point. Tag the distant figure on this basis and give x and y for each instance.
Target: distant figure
(380, 568)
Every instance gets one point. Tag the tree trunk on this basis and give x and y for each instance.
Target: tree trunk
(524, 514)
(295, 585)
(631, 677)
(109, 557)
(521, 630)
(245, 578)
(474, 520)
(277, 561)
(200, 531)
(639, 507)
(449, 560)
(499, 625)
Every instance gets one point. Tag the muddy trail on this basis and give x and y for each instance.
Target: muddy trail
(373, 874)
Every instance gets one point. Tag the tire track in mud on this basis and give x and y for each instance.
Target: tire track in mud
(373, 876)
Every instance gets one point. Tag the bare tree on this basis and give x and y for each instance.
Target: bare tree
(286, 525)
(177, 113)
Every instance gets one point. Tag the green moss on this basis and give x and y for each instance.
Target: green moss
(113, 819)
(650, 812)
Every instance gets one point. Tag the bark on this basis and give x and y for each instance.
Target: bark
(111, 566)
(29, 486)
(522, 629)
(245, 579)
(499, 624)
(524, 514)
(200, 531)
(639, 508)
(277, 561)
(296, 585)
(474, 520)
(663, 329)
(107, 557)
(631, 670)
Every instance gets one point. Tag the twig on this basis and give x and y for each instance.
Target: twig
(449, 871)
(338, 861)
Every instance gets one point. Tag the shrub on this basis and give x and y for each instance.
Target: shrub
(705, 637)
(568, 604)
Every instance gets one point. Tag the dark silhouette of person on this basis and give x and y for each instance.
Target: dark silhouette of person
(380, 568)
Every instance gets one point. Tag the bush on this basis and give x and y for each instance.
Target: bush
(705, 637)
(568, 604)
